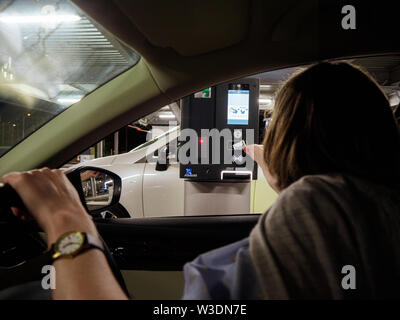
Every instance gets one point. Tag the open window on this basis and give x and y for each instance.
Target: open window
(146, 152)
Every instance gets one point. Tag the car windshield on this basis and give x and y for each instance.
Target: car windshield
(51, 56)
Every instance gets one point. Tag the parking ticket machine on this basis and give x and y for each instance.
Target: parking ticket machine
(216, 124)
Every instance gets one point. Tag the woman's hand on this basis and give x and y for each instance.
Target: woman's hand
(256, 152)
(52, 200)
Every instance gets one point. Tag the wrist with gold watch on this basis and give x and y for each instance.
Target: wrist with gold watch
(73, 243)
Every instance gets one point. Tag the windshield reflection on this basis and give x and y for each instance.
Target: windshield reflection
(51, 56)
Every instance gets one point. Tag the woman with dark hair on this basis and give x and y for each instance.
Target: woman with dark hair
(332, 152)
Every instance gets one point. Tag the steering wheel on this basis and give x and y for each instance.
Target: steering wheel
(26, 265)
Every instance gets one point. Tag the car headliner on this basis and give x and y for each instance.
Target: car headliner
(189, 45)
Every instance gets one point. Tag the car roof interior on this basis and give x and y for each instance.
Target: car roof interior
(189, 46)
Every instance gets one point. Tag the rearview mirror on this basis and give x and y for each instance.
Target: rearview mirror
(99, 189)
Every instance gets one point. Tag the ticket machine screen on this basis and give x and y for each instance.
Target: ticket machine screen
(238, 104)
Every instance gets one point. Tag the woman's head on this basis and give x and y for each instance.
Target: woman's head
(332, 117)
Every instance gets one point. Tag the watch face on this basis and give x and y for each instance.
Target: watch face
(70, 243)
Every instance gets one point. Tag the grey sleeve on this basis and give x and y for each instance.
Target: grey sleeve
(302, 242)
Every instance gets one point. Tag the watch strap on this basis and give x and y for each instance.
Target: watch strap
(92, 242)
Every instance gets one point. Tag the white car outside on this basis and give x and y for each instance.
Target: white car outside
(146, 192)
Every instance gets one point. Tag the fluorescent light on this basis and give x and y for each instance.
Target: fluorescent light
(394, 100)
(48, 19)
(166, 116)
(265, 101)
(68, 100)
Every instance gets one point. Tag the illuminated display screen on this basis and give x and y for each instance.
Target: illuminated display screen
(238, 105)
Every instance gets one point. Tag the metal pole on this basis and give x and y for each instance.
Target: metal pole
(100, 149)
(116, 142)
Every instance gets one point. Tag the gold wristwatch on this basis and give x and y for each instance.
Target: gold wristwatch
(72, 243)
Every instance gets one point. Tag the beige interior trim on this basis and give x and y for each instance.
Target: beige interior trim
(154, 285)
(134, 87)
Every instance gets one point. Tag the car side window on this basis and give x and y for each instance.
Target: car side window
(147, 155)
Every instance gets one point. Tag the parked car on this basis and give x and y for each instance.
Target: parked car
(148, 192)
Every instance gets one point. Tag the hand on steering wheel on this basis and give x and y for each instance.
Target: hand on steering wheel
(51, 200)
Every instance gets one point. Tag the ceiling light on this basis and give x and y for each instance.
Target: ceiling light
(166, 116)
(48, 19)
(68, 100)
(394, 99)
(265, 101)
